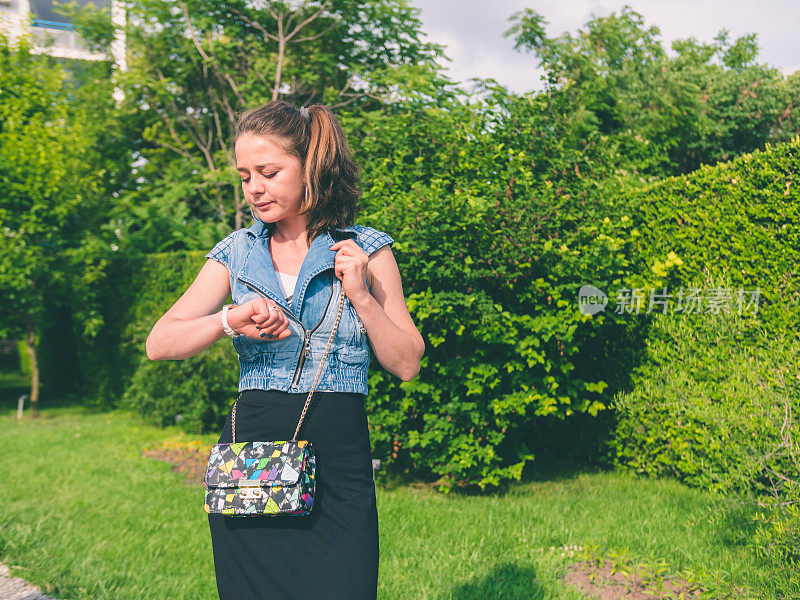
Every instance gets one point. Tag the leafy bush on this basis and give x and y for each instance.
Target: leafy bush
(712, 403)
(497, 224)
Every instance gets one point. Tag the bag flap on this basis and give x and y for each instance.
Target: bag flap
(267, 463)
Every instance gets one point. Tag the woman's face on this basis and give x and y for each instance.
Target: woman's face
(272, 180)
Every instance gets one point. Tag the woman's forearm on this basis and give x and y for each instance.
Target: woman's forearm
(176, 339)
(395, 348)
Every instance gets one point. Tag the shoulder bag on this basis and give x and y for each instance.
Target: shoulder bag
(264, 478)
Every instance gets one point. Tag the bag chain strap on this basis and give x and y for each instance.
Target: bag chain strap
(316, 379)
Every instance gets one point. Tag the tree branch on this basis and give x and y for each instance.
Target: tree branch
(191, 30)
(256, 25)
(308, 20)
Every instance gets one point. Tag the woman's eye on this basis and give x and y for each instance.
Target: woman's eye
(270, 176)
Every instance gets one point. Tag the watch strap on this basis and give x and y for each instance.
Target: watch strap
(225, 326)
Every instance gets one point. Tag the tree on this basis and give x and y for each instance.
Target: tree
(50, 183)
(710, 102)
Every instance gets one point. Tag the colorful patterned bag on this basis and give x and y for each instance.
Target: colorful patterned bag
(264, 478)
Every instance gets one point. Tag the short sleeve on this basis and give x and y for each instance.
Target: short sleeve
(221, 252)
(372, 239)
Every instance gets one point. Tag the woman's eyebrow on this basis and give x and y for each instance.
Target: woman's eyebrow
(259, 166)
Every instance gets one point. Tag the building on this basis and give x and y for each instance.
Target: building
(53, 34)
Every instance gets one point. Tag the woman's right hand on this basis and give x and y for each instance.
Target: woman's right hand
(259, 318)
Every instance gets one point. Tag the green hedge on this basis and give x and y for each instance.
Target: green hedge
(715, 400)
(131, 295)
(736, 225)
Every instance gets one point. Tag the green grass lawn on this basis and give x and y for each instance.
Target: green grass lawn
(88, 516)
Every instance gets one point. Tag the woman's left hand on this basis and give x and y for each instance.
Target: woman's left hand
(351, 267)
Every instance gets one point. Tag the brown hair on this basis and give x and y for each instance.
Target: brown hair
(318, 141)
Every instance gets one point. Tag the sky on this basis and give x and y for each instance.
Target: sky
(472, 30)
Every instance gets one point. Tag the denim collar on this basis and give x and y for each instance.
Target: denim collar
(257, 269)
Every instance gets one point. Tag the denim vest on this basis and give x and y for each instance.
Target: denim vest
(291, 364)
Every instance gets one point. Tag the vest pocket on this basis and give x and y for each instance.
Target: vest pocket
(350, 355)
(249, 349)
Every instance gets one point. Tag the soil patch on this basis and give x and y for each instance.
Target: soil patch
(190, 461)
(602, 582)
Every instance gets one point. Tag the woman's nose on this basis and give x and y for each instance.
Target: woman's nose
(255, 185)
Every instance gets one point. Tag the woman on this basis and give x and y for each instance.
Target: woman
(284, 274)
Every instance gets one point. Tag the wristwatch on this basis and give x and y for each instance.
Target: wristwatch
(225, 326)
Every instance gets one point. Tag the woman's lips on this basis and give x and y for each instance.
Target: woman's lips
(264, 205)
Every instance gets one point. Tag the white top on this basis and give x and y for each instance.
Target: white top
(287, 283)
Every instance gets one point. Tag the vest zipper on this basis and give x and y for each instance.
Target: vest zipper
(360, 324)
(306, 349)
(353, 312)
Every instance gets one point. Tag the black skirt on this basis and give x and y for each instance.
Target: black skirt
(329, 554)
